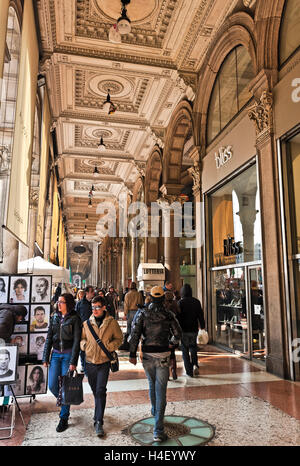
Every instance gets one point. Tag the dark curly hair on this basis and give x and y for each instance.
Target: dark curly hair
(22, 282)
(70, 301)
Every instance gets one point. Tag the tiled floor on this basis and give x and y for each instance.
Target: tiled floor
(222, 376)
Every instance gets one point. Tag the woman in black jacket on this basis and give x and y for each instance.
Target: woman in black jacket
(63, 339)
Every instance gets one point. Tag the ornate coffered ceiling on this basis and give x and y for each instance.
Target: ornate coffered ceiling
(147, 75)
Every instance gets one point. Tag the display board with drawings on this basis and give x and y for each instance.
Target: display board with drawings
(34, 292)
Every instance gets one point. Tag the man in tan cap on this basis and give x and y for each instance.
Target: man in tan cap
(160, 331)
(132, 302)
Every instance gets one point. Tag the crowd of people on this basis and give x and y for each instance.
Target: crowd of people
(157, 324)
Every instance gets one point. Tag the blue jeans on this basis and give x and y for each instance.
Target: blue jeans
(157, 372)
(97, 377)
(59, 365)
(189, 351)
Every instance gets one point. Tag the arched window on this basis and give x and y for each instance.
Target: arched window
(289, 31)
(230, 92)
(10, 80)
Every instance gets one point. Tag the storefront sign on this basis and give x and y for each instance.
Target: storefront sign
(231, 248)
(296, 92)
(225, 154)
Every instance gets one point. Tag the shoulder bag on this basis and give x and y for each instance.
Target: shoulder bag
(112, 356)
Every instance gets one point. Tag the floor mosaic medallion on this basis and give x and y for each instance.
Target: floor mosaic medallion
(181, 431)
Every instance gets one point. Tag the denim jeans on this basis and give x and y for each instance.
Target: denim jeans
(130, 318)
(97, 377)
(189, 351)
(59, 365)
(157, 372)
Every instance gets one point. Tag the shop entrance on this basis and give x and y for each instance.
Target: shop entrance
(239, 310)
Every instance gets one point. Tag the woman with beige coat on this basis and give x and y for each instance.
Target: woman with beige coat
(97, 362)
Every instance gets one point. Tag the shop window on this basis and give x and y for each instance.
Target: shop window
(290, 30)
(230, 92)
(293, 156)
(235, 221)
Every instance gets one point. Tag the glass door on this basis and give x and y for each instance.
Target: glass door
(229, 309)
(256, 313)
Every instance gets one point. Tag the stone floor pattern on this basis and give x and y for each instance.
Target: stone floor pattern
(243, 404)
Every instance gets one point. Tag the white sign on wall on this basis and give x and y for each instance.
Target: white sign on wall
(223, 156)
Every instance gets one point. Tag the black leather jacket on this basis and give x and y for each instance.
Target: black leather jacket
(64, 336)
(158, 328)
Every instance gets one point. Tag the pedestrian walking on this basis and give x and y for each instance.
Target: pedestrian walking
(84, 310)
(160, 331)
(132, 302)
(63, 339)
(171, 305)
(97, 362)
(191, 318)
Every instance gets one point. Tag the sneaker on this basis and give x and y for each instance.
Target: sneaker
(99, 429)
(160, 438)
(62, 425)
(196, 370)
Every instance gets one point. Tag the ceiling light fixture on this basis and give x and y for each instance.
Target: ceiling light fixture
(96, 173)
(114, 35)
(108, 106)
(123, 23)
(101, 146)
(90, 204)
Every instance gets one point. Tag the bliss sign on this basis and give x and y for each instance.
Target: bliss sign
(223, 157)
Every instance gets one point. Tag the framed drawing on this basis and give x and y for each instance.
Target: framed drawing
(40, 315)
(19, 385)
(4, 280)
(21, 341)
(21, 328)
(19, 289)
(8, 364)
(36, 381)
(37, 343)
(26, 318)
(41, 289)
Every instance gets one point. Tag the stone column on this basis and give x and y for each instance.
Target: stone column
(261, 113)
(47, 240)
(133, 259)
(124, 276)
(171, 241)
(109, 267)
(104, 270)
(151, 243)
(196, 173)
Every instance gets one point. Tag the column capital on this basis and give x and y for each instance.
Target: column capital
(195, 173)
(261, 113)
(34, 197)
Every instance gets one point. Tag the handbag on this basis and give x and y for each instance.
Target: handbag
(202, 338)
(70, 389)
(112, 356)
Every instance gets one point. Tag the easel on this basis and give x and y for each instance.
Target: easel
(17, 405)
(16, 402)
